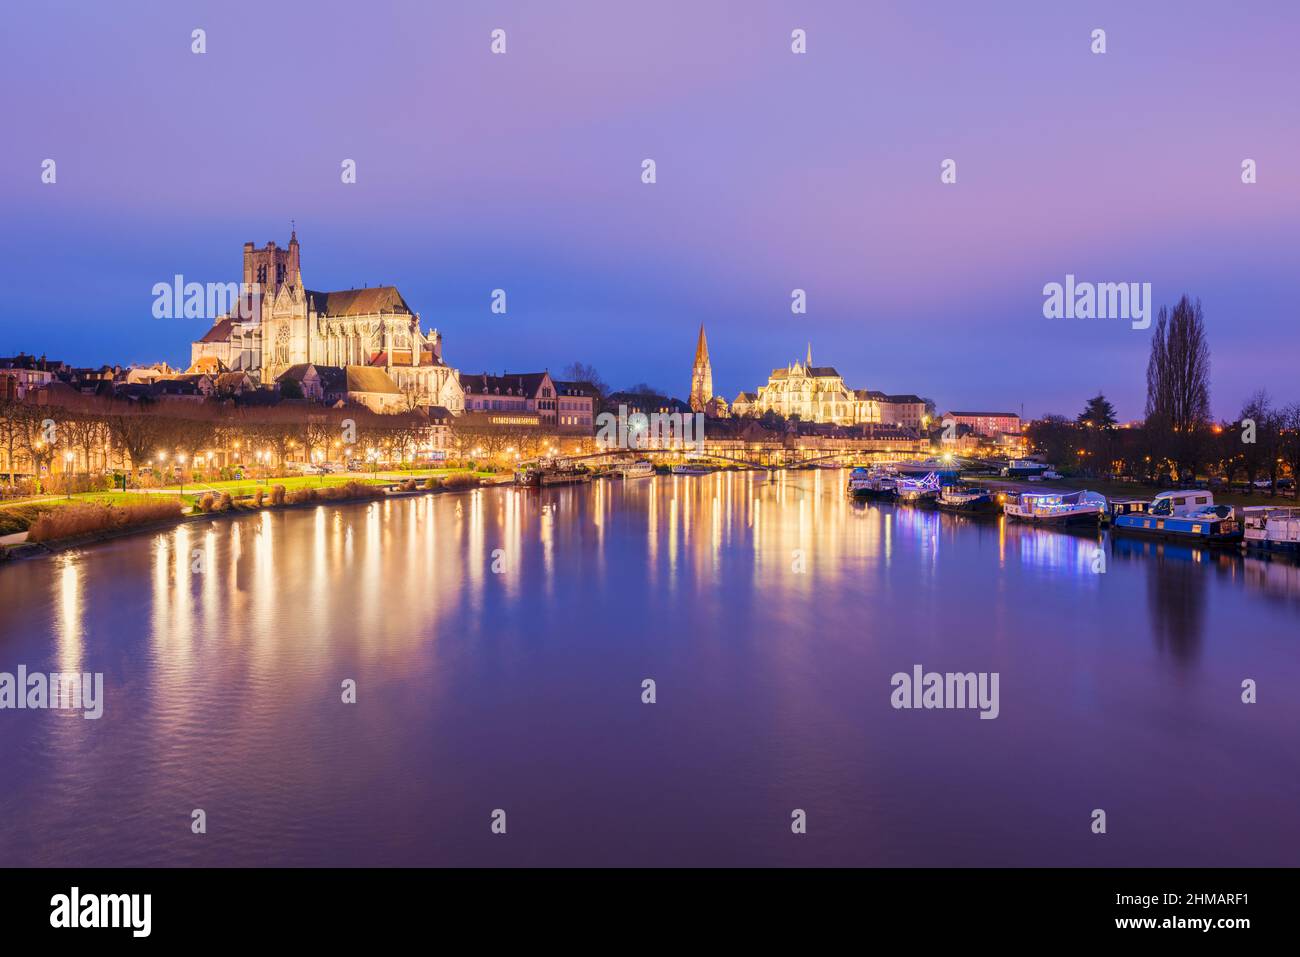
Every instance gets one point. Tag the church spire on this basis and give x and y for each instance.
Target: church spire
(702, 348)
(808, 363)
(701, 375)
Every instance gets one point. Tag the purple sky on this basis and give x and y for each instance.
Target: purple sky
(775, 171)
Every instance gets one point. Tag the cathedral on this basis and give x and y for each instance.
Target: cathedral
(818, 394)
(279, 324)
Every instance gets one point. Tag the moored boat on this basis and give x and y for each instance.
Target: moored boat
(1125, 506)
(860, 483)
(872, 483)
(1184, 515)
(966, 499)
(549, 473)
(692, 470)
(565, 476)
(923, 491)
(1271, 528)
(639, 469)
(1055, 508)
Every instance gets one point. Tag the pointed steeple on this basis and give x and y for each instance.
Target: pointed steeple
(808, 363)
(701, 348)
(701, 375)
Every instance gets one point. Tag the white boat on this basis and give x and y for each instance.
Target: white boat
(641, 469)
(692, 470)
(918, 491)
(1055, 508)
(1272, 528)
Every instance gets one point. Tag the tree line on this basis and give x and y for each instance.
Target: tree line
(1178, 440)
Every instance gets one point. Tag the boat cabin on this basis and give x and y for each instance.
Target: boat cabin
(1184, 502)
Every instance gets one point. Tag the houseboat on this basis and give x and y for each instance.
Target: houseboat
(640, 469)
(1055, 508)
(1124, 506)
(946, 471)
(860, 483)
(1188, 515)
(1271, 528)
(548, 473)
(967, 500)
(692, 469)
(878, 483)
(922, 491)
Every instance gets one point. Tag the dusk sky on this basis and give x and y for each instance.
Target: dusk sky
(776, 171)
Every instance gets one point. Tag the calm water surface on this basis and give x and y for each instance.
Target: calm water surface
(522, 690)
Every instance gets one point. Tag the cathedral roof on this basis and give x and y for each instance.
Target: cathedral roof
(220, 332)
(357, 302)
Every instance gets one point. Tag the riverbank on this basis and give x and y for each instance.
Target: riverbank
(15, 550)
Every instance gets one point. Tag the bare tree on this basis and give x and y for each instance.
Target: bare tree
(1178, 384)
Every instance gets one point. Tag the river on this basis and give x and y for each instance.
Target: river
(499, 641)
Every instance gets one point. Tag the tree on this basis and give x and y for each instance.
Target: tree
(1254, 437)
(1289, 442)
(1178, 385)
(290, 389)
(1098, 413)
(10, 433)
(645, 388)
(581, 372)
(1058, 439)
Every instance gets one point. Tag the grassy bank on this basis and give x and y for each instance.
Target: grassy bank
(91, 518)
(87, 514)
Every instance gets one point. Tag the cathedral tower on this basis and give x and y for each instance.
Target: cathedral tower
(701, 375)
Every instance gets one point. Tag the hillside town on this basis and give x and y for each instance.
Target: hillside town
(289, 379)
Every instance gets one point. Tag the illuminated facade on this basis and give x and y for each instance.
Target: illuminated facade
(279, 324)
(818, 394)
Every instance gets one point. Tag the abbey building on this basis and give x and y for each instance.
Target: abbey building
(281, 325)
(819, 394)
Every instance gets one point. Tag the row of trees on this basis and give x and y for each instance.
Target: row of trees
(94, 435)
(1178, 439)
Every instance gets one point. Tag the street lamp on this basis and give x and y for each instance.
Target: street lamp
(181, 459)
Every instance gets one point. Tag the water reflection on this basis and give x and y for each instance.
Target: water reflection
(771, 609)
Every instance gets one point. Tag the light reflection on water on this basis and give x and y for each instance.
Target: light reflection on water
(521, 690)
